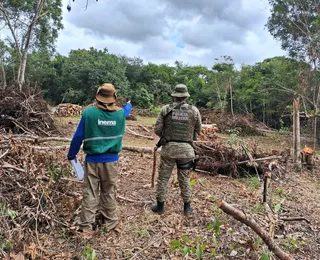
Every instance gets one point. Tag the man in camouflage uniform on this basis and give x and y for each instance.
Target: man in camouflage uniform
(177, 125)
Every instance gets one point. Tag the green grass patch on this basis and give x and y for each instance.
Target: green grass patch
(63, 121)
(252, 183)
(142, 120)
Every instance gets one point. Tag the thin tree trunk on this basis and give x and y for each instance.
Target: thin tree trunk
(4, 80)
(219, 95)
(264, 112)
(231, 97)
(25, 45)
(22, 69)
(316, 111)
(296, 132)
(315, 133)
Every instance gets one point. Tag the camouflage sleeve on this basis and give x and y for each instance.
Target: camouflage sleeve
(159, 123)
(197, 127)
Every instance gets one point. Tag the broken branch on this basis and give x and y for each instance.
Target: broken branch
(139, 135)
(296, 219)
(250, 222)
(10, 166)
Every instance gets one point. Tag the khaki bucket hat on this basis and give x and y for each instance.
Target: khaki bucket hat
(106, 93)
(180, 90)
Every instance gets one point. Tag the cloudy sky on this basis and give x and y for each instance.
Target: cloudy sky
(163, 31)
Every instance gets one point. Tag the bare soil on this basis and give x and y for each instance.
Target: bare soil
(145, 235)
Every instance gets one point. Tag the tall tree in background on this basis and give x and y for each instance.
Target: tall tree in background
(220, 84)
(32, 24)
(3, 51)
(296, 23)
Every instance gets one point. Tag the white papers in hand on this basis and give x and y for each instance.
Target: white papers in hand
(78, 169)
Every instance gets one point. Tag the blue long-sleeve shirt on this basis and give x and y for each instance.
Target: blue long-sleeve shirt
(78, 138)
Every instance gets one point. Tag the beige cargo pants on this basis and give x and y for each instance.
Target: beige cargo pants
(99, 192)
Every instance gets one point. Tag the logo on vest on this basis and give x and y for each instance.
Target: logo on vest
(180, 115)
(106, 123)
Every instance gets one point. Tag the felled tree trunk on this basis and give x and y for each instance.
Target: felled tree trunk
(250, 222)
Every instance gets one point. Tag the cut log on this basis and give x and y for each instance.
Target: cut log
(139, 149)
(128, 130)
(62, 147)
(37, 139)
(250, 222)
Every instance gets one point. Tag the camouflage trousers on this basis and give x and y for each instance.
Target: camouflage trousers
(165, 170)
(99, 193)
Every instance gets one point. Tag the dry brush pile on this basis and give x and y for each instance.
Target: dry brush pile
(243, 124)
(234, 157)
(24, 112)
(36, 197)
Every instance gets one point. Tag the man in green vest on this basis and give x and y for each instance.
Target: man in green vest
(101, 129)
(177, 125)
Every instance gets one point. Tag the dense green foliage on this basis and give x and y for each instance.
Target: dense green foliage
(264, 90)
(31, 25)
(296, 24)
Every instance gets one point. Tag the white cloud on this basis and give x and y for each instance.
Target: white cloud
(163, 31)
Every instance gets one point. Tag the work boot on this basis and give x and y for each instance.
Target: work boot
(158, 208)
(187, 208)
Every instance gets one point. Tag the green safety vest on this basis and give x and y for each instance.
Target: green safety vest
(103, 131)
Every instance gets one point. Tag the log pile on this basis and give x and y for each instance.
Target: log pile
(23, 112)
(65, 110)
(208, 133)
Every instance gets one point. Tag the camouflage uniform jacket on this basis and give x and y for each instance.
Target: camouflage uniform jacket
(176, 150)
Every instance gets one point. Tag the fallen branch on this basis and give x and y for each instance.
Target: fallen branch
(260, 159)
(296, 219)
(139, 149)
(10, 166)
(139, 135)
(73, 180)
(4, 154)
(250, 222)
(36, 139)
(208, 147)
(62, 147)
(144, 128)
(251, 158)
(18, 124)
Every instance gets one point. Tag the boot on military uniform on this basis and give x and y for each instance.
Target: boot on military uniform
(187, 209)
(158, 208)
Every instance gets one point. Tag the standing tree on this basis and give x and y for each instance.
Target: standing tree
(32, 24)
(296, 23)
(3, 51)
(220, 82)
